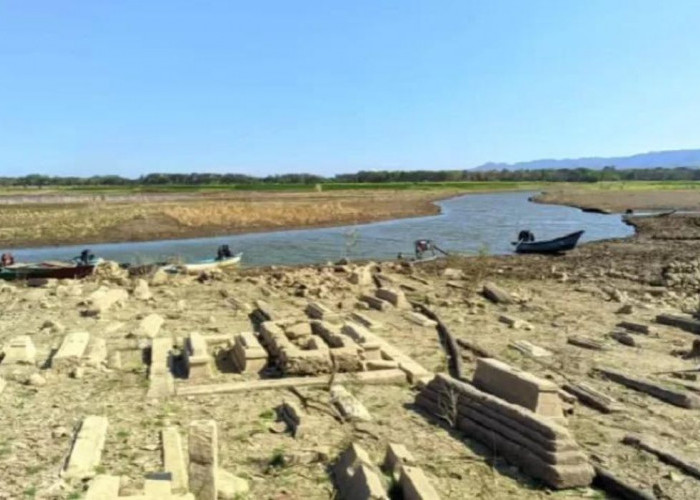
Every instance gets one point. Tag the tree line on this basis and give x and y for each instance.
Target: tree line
(369, 176)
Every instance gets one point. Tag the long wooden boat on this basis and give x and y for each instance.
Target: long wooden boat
(49, 269)
(204, 265)
(557, 245)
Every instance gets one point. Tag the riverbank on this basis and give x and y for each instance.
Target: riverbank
(583, 294)
(621, 197)
(71, 220)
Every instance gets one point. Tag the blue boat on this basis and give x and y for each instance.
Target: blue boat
(557, 245)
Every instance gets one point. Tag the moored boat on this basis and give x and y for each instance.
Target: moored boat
(204, 265)
(50, 269)
(557, 245)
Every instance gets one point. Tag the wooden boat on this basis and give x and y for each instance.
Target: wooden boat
(204, 265)
(557, 245)
(49, 269)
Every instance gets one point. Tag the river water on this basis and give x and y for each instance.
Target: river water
(474, 223)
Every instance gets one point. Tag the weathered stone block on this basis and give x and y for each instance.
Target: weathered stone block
(415, 485)
(197, 358)
(87, 448)
(397, 455)
(394, 296)
(103, 487)
(174, 459)
(316, 310)
(150, 326)
(518, 387)
(248, 354)
(72, 349)
(350, 407)
(204, 459)
(19, 350)
(96, 352)
(419, 319)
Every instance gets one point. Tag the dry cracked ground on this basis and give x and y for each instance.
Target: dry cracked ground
(584, 294)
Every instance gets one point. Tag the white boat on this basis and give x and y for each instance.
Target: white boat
(204, 265)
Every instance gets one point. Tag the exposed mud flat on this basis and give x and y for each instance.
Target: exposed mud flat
(619, 201)
(585, 294)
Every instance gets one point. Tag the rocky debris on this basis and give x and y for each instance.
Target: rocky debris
(684, 323)
(71, 352)
(35, 380)
(161, 383)
(20, 350)
(585, 342)
(529, 349)
(419, 319)
(361, 276)
(159, 278)
(394, 296)
(375, 302)
(149, 326)
(103, 299)
(142, 291)
(672, 396)
(539, 446)
(518, 387)
(366, 321)
(356, 477)
(626, 309)
(291, 414)
(313, 359)
(636, 327)
(174, 459)
(197, 358)
(345, 353)
(204, 459)
(515, 323)
(453, 274)
(111, 271)
(248, 355)
(682, 274)
(3, 384)
(317, 310)
(496, 294)
(86, 452)
(623, 338)
(350, 407)
(53, 326)
(231, 487)
(593, 398)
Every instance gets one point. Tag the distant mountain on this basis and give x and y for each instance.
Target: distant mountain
(664, 159)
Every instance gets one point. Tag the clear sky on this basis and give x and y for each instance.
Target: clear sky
(328, 86)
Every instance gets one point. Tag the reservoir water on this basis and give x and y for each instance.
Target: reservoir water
(474, 223)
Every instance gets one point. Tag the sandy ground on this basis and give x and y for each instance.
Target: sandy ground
(620, 201)
(73, 219)
(578, 294)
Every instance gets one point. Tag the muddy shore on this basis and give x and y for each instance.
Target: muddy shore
(583, 294)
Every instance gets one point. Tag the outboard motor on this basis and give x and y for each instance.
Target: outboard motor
(526, 236)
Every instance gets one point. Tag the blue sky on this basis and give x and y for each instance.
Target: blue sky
(261, 87)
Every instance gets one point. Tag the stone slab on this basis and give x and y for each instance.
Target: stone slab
(415, 485)
(374, 377)
(86, 452)
(204, 459)
(683, 322)
(19, 350)
(174, 459)
(350, 407)
(72, 349)
(103, 487)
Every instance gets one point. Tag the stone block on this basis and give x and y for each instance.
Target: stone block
(197, 358)
(150, 326)
(350, 407)
(103, 487)
(397, 455)
(496, 294)
(415, 485)
(293, 416)
(366, 321)
(204, 459)
(157, 488)
(96, 352)
(518, 387)
(20, 350)
(355, 477)
(86, 452)
(419, 319)
(317, 310)
(394, 296)
(161, 383)
(248, 354)
(174, 459)
(104, 299)
(375, 302)
(231, 487)
(72, 349)
(529, 349)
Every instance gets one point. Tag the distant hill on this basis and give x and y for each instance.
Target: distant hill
(664, 159)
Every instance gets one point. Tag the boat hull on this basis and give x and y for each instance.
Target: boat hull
(38, 272)
(557, 245)
(205, 265)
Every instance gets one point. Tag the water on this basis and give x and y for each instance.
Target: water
(470, 224)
